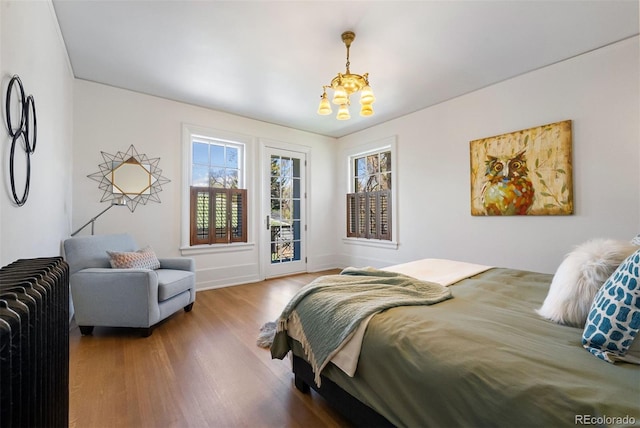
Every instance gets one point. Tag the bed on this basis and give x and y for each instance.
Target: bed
(481, 358)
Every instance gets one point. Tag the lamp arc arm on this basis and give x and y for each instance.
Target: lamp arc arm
(90, 222)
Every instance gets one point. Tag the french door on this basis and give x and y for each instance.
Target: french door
(284, 207)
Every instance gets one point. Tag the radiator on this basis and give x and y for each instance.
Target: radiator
(34, 343)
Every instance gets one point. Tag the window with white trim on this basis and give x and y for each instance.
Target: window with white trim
(217, 195)
(369, 204)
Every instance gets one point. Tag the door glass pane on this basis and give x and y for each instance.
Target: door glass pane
(285, 222)
(296, 250)
(275, 208)
(275, 189)
(281, 243)
(296, 230)
(275, 257)
(286, 167)
(296, 209)
(296, 188)
(286, 214)
(275, 166)
(286, 187)
(296, 167)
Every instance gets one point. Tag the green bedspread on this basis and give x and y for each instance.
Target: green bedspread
(486, 359)
(330, 308)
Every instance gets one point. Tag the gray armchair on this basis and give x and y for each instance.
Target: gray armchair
(138, 298)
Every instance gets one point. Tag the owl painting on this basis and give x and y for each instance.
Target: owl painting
(523, 173)
(507, 190)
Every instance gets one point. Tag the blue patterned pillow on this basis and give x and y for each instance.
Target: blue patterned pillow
(636, 240)
(614, 319)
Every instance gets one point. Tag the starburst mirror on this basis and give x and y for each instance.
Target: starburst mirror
(129, 177)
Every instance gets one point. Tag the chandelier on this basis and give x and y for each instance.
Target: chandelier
(344, 85)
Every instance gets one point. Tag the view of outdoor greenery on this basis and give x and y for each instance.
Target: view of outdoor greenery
(285, 219)
(372, 172)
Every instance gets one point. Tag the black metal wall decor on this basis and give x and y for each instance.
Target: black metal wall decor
(26, 129)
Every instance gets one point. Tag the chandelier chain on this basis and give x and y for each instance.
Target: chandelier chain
(348, 63)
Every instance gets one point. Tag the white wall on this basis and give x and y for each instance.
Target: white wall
(110, 120)
(32, 47)
(598, 91)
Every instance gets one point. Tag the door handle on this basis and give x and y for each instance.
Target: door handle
(268, 227)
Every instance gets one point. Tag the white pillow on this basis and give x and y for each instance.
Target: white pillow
(579, 277)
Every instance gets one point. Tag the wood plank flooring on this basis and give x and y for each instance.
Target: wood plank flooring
(197, 369)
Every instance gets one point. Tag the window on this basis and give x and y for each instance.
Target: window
(217, 197)
(369, 204)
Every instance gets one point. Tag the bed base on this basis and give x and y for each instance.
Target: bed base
(350, 407)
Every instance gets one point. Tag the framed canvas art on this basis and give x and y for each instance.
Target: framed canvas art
(525, 172)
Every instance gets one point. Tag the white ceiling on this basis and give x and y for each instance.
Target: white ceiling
(268, 60)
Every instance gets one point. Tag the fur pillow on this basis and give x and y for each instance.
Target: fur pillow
(579, 277)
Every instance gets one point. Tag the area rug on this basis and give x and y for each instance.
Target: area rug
(267, 333)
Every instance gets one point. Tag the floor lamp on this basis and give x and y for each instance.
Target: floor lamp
(120, 201)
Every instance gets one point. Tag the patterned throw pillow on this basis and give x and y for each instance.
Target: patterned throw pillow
(614, 319)
(141, 259)
(636, 240)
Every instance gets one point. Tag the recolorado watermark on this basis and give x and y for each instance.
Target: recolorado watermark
(603, 420)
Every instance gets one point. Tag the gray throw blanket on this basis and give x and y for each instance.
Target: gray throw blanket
(330, 308)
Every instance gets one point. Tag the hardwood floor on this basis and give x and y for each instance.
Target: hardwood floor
(197, 369)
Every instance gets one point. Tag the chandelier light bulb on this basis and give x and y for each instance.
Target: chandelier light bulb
(340, 96)
(343, 113)
(325, 106)
(366, 96)
(366, 110)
